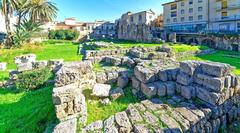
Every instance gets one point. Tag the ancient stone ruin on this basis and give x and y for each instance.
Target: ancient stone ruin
(189, 96)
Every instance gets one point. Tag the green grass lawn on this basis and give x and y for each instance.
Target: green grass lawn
(26, 112)
(184, 48)
(97, 111)
(51, 49)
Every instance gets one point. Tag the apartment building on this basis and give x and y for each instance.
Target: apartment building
(224, 15)
(186, 15)
(196, 16)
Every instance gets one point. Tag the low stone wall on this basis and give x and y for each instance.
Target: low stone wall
(67, 95)
(217, 90)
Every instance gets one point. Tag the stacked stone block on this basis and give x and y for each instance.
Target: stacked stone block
(67, 95)
(211, 82)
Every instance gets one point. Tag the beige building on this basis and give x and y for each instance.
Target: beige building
(196, 16)
(225, 15)
(186, 15)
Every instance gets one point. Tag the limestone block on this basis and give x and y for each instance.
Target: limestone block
(207, 96)
(171, 88)
(93, 127)
(123, 121)
(184, 79)
(136, 84)
(215, 69)
(188, 67)
(112, 77)
(75, 72)
(3, 66)
(101, 90)
(24, 67)
(188, 92)
(69, 126)
(122, 81)
(145, 75)
(28, 58)
(213, 83)
(162, 90)
(69, 102)
(101, 77)
(150, 90)
(163, 75)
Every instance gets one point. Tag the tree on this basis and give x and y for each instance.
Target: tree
(35, 11)
(7, 8)
(42, 10)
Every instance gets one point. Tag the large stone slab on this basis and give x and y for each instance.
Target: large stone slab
(213, 83)
(101, 90)
(215, 69)
(69, 126)
(150, 90)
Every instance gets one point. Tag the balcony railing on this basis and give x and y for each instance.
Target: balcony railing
(228, 18)
(229, 7)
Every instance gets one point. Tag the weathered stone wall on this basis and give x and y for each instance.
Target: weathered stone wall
(67, 95)
(202, 97)
(134, 32)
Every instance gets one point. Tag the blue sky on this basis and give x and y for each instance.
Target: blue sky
(91, 10)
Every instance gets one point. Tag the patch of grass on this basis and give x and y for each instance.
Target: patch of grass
(26, 112)
(51, 49)
(184, 48)
(97, 111)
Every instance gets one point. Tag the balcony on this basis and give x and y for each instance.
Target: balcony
(229, 7)
(228, 18)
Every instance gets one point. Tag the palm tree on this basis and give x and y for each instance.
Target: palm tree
(42, 10)
(7, 7)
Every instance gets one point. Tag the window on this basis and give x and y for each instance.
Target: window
(190, 2)
(200, 1)
(182, 19)
(224, 15)
(182, 3)
(224, 4)
(182, 11)
(168, 20)
(200, 17)
(190, 18)
(200, 8)
(190, 10)
(224, 27)
(140, 18)
(173, 6)
(150, 17)
(174, 14)
(175, 20)
(131, 18)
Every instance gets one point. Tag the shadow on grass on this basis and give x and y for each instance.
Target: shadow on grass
(26, 111)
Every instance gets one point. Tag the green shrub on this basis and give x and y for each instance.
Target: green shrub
(63, 34)
(32, 80)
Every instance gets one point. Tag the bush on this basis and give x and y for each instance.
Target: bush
(63, 34)
(32, 80)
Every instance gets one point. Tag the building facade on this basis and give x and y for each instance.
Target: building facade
(189, 16)
(224, 16)
(197, 16)
(136, 26)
